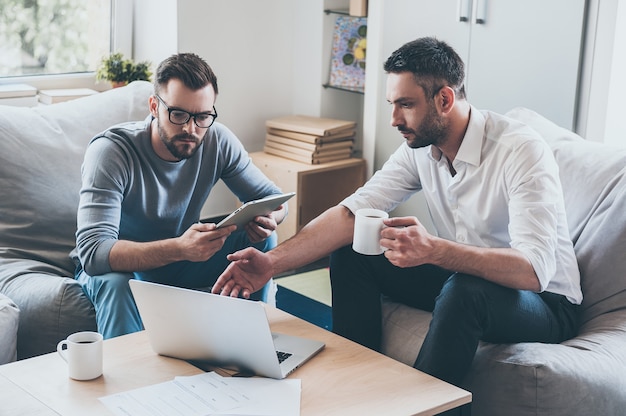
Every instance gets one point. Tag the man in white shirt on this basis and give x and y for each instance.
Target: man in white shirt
(501, 267)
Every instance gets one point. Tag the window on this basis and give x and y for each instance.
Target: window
(46, 37)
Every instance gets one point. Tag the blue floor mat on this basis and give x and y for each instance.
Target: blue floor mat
(304, 307)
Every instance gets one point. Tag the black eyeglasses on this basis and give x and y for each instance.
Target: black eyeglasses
(182, 117)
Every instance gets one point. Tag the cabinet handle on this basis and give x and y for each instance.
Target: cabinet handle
(464, 11)
(481, 12)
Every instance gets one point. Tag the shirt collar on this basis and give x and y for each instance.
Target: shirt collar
(471, 146)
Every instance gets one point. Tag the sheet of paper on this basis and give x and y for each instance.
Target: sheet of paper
(267, 396)
(209, 394)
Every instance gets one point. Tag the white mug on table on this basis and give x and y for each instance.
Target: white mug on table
(83, 354)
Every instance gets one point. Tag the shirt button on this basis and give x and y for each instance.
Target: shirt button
(460, 238)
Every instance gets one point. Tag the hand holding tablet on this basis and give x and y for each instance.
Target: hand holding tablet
(251, 209)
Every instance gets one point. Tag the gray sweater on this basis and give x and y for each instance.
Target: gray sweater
(129, 193)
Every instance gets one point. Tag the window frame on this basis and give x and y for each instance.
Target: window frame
(121, 40)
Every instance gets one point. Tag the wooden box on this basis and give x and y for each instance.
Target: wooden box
(317, 187)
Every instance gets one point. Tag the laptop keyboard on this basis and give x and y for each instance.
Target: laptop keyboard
(282, 356)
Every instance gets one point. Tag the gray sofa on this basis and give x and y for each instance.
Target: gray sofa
(582, 376)
(9, 320)
(41, 151)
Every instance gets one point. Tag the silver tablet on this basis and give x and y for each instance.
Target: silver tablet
(246, 213)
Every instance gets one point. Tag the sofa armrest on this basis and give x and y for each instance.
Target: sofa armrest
(9, 320)
(52, 305)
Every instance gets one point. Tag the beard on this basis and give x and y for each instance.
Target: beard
(432, 131)
(181, 146)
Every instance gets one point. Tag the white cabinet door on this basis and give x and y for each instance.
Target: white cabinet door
(406, 20)
(527, 53)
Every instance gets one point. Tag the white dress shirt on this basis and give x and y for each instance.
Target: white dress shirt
(506, 193)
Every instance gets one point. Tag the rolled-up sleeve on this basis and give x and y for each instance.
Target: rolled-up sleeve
(393, 184)
(535, 194)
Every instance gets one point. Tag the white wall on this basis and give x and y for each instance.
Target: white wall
(308, 71)
(156, 28)
(603, 86)
(615, 131)
(249, 44)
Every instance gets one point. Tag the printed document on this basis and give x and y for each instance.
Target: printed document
(209, 394)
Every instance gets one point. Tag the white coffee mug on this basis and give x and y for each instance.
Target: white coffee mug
(83, 354)
(368, 223)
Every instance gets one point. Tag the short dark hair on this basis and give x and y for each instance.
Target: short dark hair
(434, 64)
(191, 69)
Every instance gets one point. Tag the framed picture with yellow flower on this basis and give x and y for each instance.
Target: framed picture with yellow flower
(347, 64)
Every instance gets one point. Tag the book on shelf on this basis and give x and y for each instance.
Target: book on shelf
(17, 90)
(21, 95)
(60, 95)
(316, 126)
(319, 152)
(311, 158)
(20, 101)
(345, 142)
(358, 8)
(313, 138)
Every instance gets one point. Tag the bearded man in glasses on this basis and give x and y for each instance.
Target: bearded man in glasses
(143, 188)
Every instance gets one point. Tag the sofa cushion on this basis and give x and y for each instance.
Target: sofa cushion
(9, 320)
(593, 176)
(530, 378)
(52, 305)
(402, 322)
(585, 373)
(41, 152)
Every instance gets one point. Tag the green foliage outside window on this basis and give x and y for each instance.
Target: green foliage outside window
(52, 36)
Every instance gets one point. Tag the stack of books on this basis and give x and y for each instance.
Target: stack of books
(60, 95)
(308, 139)
(22, 95)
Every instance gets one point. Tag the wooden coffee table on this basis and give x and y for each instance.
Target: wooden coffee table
(344, 379)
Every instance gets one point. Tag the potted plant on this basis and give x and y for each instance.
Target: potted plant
(120, 71)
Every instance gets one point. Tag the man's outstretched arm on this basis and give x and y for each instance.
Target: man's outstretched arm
(251, 269)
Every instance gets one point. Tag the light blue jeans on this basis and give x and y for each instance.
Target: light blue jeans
(116, 312)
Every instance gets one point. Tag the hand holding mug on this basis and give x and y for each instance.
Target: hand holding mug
(368, 222)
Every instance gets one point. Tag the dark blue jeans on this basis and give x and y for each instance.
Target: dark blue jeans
(466, 309)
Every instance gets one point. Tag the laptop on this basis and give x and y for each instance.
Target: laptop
(219, 330)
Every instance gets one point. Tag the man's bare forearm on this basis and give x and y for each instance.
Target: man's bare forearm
(323, 235)
(504, 266)
(130, 256)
